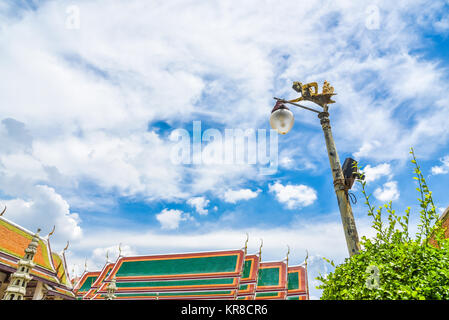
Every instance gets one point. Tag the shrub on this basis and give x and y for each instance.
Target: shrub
(394, 265)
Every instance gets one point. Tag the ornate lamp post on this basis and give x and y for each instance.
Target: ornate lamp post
(282, 120)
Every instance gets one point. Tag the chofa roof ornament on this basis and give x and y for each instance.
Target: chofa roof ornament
(51, 232)
(260, 249)
(66, 247)
(288, 253)
(246, 243)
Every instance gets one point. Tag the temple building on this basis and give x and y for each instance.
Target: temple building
(445, 221)
(218, 275)
(29, 269)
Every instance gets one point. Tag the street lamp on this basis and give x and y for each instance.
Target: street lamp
(282, 120)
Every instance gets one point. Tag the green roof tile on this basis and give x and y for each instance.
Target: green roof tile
(293, 281)
(174, 283)
(268, 277)
(183, 266)
(87, 283)
(247, 268)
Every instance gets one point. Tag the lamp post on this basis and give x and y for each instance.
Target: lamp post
(282, 120)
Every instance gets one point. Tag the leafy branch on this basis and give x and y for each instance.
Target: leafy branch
(407, 268)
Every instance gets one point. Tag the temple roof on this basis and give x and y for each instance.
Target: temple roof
(299, 297)
(178, 266)
(50, 267)
(58, 291)
(61, 268)
(245, 297)
(103, 274)
(272, 281)
(88, 284)
(247, 289)
(297, 282)
(220, 275)
(249, 276)
(174, 285)
(445, 219)
(198, 275)
(191, 295)
(271, 295)
(445, 224)
(272, 276)
(226, 274)
(250, 269)
(15, 239)
(85, 282)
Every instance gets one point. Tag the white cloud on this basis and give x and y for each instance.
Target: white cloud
(293, 195)
(286, 162)
(442, 25)
(89, 101)
(170, 218)
(388, 192)
(44, 208)
(136, 164)
(443, 168)
(100, 254)
(374, 173)
(232, 196)
(200, 204)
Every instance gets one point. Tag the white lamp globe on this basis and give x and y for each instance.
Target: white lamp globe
(281, 118)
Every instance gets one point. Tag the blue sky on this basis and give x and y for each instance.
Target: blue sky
(91, 93)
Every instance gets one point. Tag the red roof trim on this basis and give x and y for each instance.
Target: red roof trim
(282, 276)
(254, 269)
(236, 273)
(99, 280)
(83, 279)
(302, 274)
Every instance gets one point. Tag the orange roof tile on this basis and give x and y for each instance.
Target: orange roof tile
(59, 263)
(14, 240)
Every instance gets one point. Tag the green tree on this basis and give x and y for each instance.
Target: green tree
(394, 264)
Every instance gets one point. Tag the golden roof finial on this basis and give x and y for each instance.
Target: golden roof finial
(52, 231)
(246, 243)
(85, 265)
(66, 247)
(107, 256)
(260, 250)
(120, 250)
(4, 210)
(307, 257)
(288, 252)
